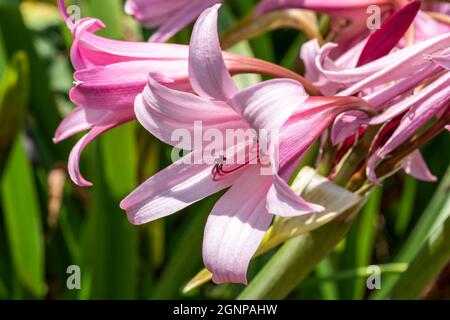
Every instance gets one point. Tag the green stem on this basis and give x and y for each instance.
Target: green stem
(431, 259)
(294, 261)
(361, 272)
(429, 220)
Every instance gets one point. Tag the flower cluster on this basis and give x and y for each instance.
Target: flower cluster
(389, 86)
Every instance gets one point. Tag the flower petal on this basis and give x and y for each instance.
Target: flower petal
(152, 13)
(207, 70)
(80, 119)
(442, 60)
(337, 8)
(109, 121)
(269, 104)
(181, 18)
(163, 112)
(394, 66)
(116, 86)
(173, 189)
(438, 85)
(236, 227)
(414, 119)
(383, 40)
(283, 201)
(415, 166)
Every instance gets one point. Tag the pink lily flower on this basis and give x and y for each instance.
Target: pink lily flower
(171, 15)
(424, 63)
(377, 45)
(109, 74)
(355, 11)
(240, 218)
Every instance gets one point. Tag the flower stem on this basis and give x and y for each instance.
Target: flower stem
(295, 260)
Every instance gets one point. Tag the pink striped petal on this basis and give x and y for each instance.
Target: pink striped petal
(440, 84)
(173, 189)
(337, 8)
(269, 104)
(80, 119)
(163, 112)
(380, 98)
(283, 201)
(415, 166)
(236, 227)
(442, 60)
(116, 86)
(425, 27)
(410, 124)
(383, 40)
(152, 13)
(299, 133)
(207, 70)
(181, 18)
(416, 118)
(394, 66)
(109, 121)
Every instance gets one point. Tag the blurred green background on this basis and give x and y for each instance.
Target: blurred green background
(48, 224)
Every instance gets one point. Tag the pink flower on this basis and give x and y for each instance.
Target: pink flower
(240, 218)
(356, 12)
(388, 83)
(172, 15)
(109, 74)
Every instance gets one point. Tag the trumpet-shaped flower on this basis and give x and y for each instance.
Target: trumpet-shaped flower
(240, 218)
(109, 74)
(388, 82)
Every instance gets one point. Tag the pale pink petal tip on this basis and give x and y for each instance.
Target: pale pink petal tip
(208, 73)
(370, 170)
(284, 202)
(415, 166)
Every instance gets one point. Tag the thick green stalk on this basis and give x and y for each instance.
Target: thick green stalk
(294, 261)
(420, 233)
(431, 259)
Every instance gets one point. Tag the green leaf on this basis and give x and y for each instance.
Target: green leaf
(329, 289)
(359, 245)
(110, 12)
(42, 103)
(293, 262)
(13, 102)
(109, 255)
(23, 221)
(431, 259)
(431, 217)
(405, 211)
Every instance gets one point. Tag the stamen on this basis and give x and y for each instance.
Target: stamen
(218, 169)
